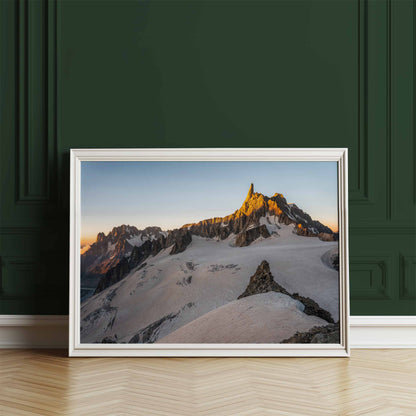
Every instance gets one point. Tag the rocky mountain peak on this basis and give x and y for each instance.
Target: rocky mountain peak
(108, 250)
(262, 281)
(250, 192)
(253, 202)
(121, 235)
(152, 229)
(100, 237)
(122, 231)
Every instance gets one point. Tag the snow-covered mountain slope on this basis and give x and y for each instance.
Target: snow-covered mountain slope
(167, 291)
(267, 318)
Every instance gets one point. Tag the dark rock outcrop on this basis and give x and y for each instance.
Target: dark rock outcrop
(331, 258)
(181, 239)
(328, 334)
(124, 266)
(186, 281)
(114, 275)
(335, 262)
(312, 308)
(149, 334)
(158, 245)
(122, 247)
(262, 281)
(140, 253)
(108, 340)
(245, 238)
(327, 237)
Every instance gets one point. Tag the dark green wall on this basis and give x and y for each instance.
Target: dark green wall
(203, 74)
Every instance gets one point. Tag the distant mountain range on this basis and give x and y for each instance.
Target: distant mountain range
(108, 250)
(113, 255)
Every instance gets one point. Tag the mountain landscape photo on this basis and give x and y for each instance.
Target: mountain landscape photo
(266, 272)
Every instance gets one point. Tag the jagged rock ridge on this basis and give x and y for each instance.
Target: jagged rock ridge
(246, 237)
(116, 244)
(179, 239)
(256, 206)
(108, 250)
(262, 281)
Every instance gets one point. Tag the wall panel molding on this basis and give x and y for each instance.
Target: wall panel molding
(388, 92)
(383, 226)
(373, 278)
(36, 101)
(383, 229)
(407, 279)
(389, 146)
(402, 100)
(16, 276)
(359, 191)
(413, 106)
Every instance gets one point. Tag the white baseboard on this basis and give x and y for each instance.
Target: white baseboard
(51, 331)
(383, 331)
(33, 331)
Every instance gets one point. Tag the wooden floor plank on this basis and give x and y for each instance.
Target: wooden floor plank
(371, 382)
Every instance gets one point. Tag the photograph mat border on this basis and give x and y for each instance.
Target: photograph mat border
(76, 348)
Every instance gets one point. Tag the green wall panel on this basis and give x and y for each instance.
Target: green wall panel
(207, 74)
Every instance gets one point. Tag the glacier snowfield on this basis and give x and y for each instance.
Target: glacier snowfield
(192, 296)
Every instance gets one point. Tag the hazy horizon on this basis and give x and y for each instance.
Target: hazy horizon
(171, 194)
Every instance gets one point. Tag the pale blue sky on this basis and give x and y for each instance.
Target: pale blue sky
(170, 194)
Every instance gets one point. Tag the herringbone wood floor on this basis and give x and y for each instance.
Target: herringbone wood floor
(371, 382)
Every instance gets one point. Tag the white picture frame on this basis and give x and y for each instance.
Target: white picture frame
(78, 349)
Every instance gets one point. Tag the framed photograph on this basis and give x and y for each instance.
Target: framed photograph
(209, 252)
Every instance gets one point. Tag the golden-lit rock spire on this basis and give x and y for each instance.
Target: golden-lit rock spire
(250, 192)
